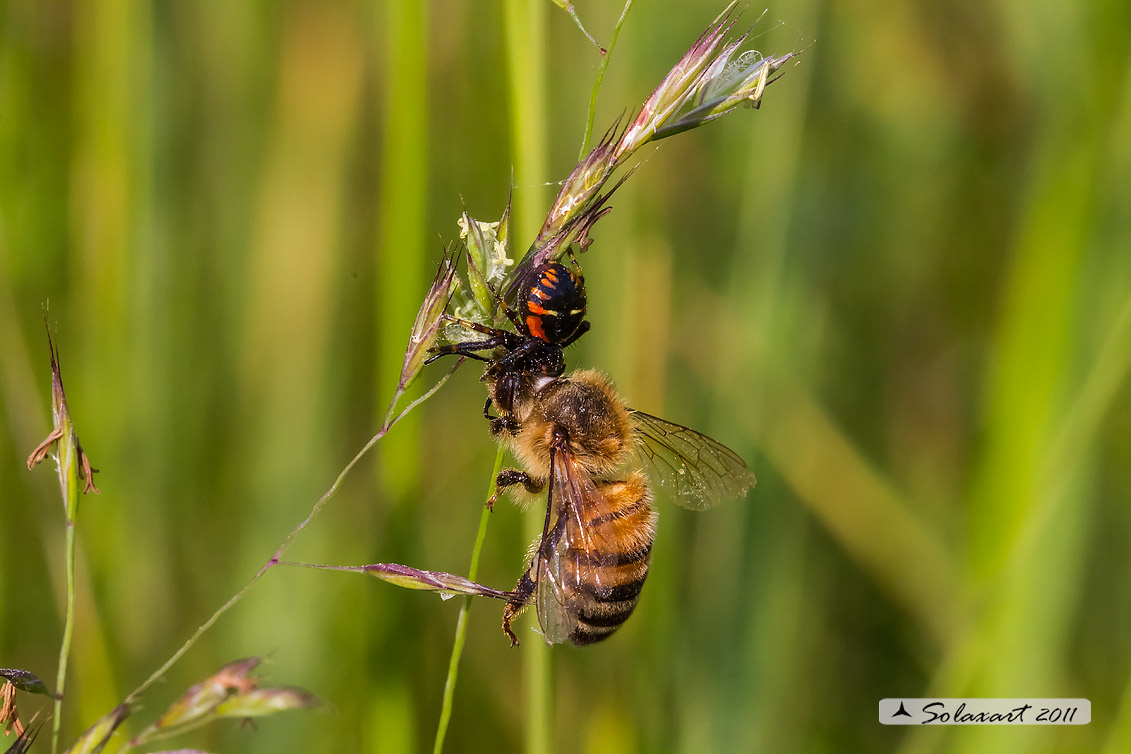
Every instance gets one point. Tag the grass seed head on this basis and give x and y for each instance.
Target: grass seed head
(62, 443)
(266, 701)
(447, 584)
(429, 319)
(487, 266)
(95, 738)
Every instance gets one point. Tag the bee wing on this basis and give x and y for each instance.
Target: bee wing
(696, 471)
(571, 550)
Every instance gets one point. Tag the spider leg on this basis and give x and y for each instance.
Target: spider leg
(475, 326)
(581, 330)
(529, 348)
(573, 260)
(467, 348)
(512, 315)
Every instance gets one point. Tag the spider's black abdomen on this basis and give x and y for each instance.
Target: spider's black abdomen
(553, 304)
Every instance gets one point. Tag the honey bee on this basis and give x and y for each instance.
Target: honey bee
(576, 438)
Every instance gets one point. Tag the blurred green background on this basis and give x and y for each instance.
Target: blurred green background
(901, 290)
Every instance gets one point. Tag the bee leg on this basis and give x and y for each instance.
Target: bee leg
(507, 385)
(499, 424)
(518, 601)
(511, 477)
(509, 614)
(503, 425)
(521, 596)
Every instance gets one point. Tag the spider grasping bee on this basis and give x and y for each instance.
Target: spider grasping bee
(550, 316)
(582, 446)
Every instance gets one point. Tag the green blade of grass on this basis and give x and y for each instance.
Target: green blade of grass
(461, 622)
(525, 32)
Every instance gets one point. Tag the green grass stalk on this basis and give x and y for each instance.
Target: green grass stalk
(600, 79)
(69, 459)
(525, 33)
(461, 623)
(399, 250)
(68, 629)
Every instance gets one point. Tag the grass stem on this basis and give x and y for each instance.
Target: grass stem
(600, 79)
(461, 623)
(525, 32)
(65, 645)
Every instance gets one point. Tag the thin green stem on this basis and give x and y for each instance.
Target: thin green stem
(65, 645)
(149, 736)
(461, 623)
(600, 78)
(525, 29)
(536, 677)
(568, 8)
(390, 422)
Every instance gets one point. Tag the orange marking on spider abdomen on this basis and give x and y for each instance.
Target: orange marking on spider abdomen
(534, 325)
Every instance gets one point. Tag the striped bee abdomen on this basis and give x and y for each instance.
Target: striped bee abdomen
(609, 583)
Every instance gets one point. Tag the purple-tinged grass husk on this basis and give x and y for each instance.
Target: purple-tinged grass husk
(62, 443)
(429, 319)
(73, 467)
(25, 680)
(24, 738)
(447, 584)
(230, 692)
(95, 738)
(705, 84)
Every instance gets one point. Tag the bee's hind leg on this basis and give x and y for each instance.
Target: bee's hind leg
(509, 478)
(519, 599)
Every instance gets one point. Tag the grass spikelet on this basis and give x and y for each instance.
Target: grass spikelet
(232, 691)
(74, 468)
(95, 738)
